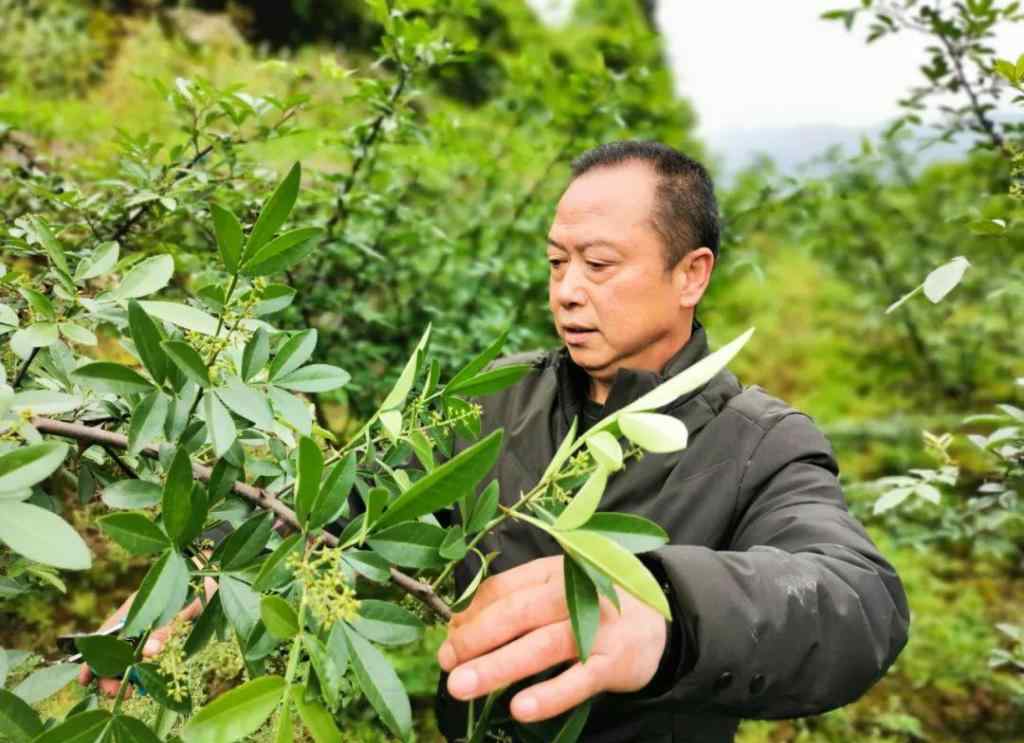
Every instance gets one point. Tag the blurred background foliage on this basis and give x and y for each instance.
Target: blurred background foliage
(435, 143)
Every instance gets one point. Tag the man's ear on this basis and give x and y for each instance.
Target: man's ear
(692, 275)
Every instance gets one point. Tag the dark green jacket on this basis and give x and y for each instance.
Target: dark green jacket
(783, 606)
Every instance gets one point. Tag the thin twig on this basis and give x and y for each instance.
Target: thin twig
(24, 367)
(257, 496)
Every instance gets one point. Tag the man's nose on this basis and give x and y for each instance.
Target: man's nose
(570, 289)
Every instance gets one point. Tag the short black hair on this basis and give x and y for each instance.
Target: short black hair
(686, 211)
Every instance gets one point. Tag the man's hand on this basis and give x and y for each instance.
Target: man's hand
(518, 625)
(154, 643)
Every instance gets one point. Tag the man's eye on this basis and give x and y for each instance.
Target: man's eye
(596, 266)
(555, 262)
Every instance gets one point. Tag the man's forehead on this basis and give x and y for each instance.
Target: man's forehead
(605, 202)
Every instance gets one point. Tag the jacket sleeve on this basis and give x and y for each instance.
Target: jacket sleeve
(800, 613)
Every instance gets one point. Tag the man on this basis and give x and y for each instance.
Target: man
(781, 604)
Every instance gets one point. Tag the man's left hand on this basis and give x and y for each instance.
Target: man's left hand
(518, 625)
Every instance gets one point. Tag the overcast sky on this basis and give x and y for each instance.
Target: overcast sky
(748, 64)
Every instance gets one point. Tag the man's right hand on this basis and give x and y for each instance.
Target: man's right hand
(154, 643)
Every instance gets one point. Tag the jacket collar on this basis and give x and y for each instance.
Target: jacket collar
(630, 384)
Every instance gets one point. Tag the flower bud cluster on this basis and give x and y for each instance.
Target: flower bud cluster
(328, 595)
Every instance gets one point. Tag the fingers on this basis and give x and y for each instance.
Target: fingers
(85, 675)
(507, 618)
(536, 652)
(563, 692)
(497, 586)
(109, 687)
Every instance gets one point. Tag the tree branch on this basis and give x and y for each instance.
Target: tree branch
(258, 496)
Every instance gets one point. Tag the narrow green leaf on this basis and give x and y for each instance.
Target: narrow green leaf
(229, 236)
(77, 334)
(182, 316)
(654, 432)
(333, 496)
(274, 571)
(146, 277)
(282, 261)
(485, 507)
(256, 354)
(128, 494)
(386, 623)
(43, 402)
(279, 617)
(106, 655)
(477, 365)
(245, 544)
(606, 450)
(292, 409)
(309, 467)
(314, 378)
(279, 245)
(293, 354)
(41, 305)
(454, 545)
(396, 397)
(124, 729)
(188, 360)
(274, 213)
(102, 261)
(316, 718)
(27, 465)
(584, 610)
(380, 684)
(85, 727)
(326, 671)
(19, 723)
(155, 684)
(634, 533)
(219, 424)
(236, 714)
(447, 483)
(562, 454)
(412, 544)
(50, 244)
(573, 727)
(110, 377)
(147, 423)
(177, 498)
(147, 337)
(246, 402)
(490, 382)
(135, 532)
(368, 564)
(274, 299)
(46, 682)
(585, 502)
(162, 590)
(42, 536)
(38, 335)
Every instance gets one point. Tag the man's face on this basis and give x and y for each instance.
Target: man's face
(611, 299)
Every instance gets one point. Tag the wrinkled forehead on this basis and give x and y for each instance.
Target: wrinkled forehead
(608, 203)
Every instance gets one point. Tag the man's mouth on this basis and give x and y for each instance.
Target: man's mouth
(577, 334)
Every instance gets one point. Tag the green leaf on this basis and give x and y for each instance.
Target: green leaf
(475, 366)
(573, 727)
(279, 245)
(293, 354)
(316, 718)
(110, 377)
(135, 532)
(19, 723)
(485, 507)
(27, 465)
(50, 244)
(85, 727)
(107, 656)
(147, 424)
(380, 684)
(333, 495)
(314, 378)
(274, 571)
(274, 299)
(585, 502)
(38, 335)
(292, 409)
(124, 729)
(412, 544)
(146, 277)
(177, 498)
(42, 536)
(326, 671)
(241, 605)
(77, 334)
(274, 213)
(41, 305)
(423, 447)
(44, 402)
(229, 236)
(279, 617)
(236, 714)
(396, 397)
(368, 564)
(562, 454)
(246, 402)
(188, 360)
(103, 260)
(245, 544)
(945, 278)
(691, 378)
(490, 382)
(605, 450)
(206, 626)
(584, 610)
(447, 483)
(612, 560)
(634, 533)
(147, 338)
(163, 589)
(219, 424)
(155, 685)
(46, 682)
(126, 494)
(386, 624)
(256, 354)
(309, 467)
(454, 545)
(182, 316)
(391, 421)
(654, 432)
(282, 261)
